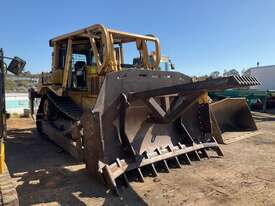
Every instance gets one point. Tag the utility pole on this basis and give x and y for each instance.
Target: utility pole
(8, 194)
(3, 124)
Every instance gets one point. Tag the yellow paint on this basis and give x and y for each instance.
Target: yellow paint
(91, 70)
(77, 96)
(88, 102)
(203, 98)
(57, 76)
(2, 158)
(82, 99)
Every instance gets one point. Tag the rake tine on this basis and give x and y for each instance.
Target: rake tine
(197, 155)
(111, 183)
(188, 159)
(242, 80)
(154, 170)
(126, 179)
(253, 79)
(118, 162)
(256, 81)
(178, 162)
(248, 80)
(158, 151)
(252, 82)
(164, 161)
(238, 79)
(116, 191)
(141, 178)
(180, 146)
(155, 173)
(146, 155)
(205, 153)
(219, 151)
(166, 166)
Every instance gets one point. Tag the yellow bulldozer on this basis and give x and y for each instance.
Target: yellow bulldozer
(122, 116)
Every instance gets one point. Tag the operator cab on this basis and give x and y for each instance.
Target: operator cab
(81, 59)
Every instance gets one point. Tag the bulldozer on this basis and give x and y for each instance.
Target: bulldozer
(122, 117)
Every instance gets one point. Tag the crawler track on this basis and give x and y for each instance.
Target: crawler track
(8, 194)
(66, 106)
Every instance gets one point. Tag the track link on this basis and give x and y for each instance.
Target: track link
(66, 105)
(8, 194)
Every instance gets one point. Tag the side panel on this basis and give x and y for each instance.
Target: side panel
(83, 99)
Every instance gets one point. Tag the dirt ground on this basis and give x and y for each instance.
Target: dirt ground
(45, 175)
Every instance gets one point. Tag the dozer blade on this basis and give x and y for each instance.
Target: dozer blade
(232, 120)
(149, 121)
(138, 138)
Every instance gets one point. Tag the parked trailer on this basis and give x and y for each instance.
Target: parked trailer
(255, 98)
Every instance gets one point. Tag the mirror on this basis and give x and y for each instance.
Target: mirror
(16, 66)
(172, 66)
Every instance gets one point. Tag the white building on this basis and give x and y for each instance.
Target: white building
(264, 74)
(16, 103)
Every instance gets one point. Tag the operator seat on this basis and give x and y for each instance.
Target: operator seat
(80, 74)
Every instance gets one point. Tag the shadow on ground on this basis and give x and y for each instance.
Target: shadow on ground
(46, 174)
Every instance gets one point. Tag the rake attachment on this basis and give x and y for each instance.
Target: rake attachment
(145, 119)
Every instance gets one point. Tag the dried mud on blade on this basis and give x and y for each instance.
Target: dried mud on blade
(232, 120)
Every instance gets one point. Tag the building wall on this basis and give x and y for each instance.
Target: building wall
(266, 75)
(17, 102)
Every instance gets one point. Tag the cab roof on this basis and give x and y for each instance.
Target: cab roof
(118, 36)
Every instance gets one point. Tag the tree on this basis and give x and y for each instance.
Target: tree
(246, 72)
(27, 73)
(215, 74)
(23, 83)
(230, 72)
(10, 85)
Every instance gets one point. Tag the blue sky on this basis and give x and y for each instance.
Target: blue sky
(200, 36)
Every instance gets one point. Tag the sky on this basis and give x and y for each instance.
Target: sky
(200, 36)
